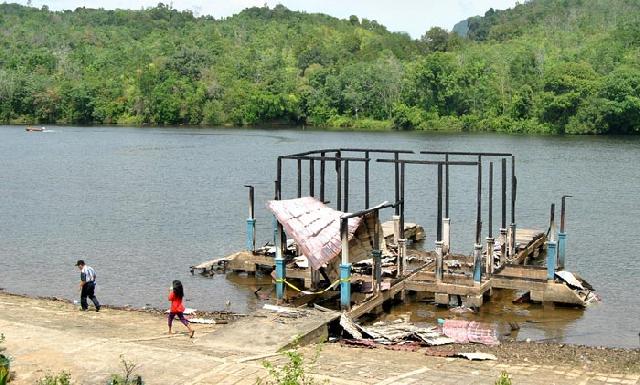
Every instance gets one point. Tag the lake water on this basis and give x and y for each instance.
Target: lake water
(143, 204)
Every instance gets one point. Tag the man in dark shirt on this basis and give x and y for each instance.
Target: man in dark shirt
(87, 285)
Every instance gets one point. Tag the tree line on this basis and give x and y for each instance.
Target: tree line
(545, 66)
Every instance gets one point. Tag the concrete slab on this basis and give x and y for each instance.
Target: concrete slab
(267, 332)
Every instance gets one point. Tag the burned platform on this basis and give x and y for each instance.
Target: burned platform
(322, 252)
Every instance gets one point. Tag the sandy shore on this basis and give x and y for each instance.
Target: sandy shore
(44, 335)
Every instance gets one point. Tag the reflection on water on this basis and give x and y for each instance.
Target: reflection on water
(141, 205)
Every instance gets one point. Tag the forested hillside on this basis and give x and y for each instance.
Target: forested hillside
(550, 66)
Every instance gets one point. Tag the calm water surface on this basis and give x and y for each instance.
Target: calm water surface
(143, 204)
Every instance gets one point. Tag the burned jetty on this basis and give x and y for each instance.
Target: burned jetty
(318, 251)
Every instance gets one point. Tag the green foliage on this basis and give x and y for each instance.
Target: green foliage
(504, 379)
(544, 66)
(128, 376)
(62, 378)
(5, 364)
(293, 372)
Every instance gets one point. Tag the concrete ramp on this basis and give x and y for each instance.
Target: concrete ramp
(271, 331)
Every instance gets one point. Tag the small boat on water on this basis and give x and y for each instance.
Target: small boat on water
(34, 129)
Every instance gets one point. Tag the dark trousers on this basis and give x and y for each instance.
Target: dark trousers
(88, 290)
(180, 317)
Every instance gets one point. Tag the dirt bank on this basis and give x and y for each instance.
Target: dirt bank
(49, 335)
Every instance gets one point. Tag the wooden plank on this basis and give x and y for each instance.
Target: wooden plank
(517, 283)
(364, 308)
(524, 272)
(447, 288)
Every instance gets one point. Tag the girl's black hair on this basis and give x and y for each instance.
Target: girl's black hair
(177, 289)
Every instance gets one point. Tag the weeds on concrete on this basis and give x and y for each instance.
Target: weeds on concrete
(128, 376)
(504, 379)
(293, 372)
(5, 364)
(62, 378)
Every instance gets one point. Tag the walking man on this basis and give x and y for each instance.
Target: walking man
(87, 285)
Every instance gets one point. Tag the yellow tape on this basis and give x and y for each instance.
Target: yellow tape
(282, 280)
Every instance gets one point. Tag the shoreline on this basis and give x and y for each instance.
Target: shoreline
(48, 336)
(591, 358)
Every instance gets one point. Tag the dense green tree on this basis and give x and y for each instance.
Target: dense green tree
(544, 66)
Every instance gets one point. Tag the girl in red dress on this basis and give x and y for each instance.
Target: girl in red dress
(177, 308)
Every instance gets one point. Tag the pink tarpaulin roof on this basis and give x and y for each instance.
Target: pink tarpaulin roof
(314, 226)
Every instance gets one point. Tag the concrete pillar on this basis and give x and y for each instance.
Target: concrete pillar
(251, 234)
(439, 261)
(345, 286)
(503, 248)
(512, 245)
(442, 298)
(562, 248)
(489, 263)
(446, 235)
(477, 263)
(396, 229)
(551, 260)
(275, 230)
(377, 270)
(402, 257)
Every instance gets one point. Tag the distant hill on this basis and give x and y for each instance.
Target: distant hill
(545, 66)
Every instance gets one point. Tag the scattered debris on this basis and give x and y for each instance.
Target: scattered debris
(524, 298)
(350, 327)
(205, 321)
(461, 309)
(580, 286)
(286, 312)
(463, 332)
(569, 279)
(477, 356)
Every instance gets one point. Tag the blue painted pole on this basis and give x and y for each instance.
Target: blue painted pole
(345, 286)
(551, 260)
(280, 266)
(562, 248)
(345, 267)
(477, 264)
(251, 231)
(280, 278)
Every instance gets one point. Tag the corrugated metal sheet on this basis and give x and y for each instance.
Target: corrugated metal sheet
(314, 226)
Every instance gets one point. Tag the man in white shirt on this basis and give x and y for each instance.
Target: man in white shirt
(87, 285)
